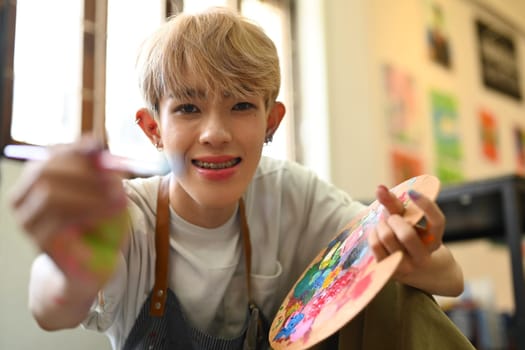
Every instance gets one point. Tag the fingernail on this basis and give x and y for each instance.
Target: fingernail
(382, 187)
(414, 195)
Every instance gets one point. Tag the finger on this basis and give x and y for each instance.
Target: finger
(387, 237)
(28, 177)
(434, 217)
(375, 245)
(71, 169)
(50, 207)
(57, 168)
(389, 200)
(44, 230)
(409, 239)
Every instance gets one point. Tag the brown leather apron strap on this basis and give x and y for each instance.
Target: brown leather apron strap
(162, 232)
(162, 229)
(245, 232)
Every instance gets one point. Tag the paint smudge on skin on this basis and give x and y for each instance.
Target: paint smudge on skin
(90, 255)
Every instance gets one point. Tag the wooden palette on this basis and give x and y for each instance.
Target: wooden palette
(344, 277)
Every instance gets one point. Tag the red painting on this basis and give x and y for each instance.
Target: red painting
(405, 165)
(489, 136)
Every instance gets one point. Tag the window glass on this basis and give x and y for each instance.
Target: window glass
(129, 23)
(275, 22)
(47, 71)
(199, 5)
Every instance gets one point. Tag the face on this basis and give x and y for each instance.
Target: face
(217, 142)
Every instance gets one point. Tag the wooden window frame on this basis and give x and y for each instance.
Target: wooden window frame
(92, 117)
(7, 41)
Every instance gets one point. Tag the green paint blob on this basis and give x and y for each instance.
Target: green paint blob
(305, 283)
(104, 242)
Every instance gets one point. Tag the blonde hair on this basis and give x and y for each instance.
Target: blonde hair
(218, 48)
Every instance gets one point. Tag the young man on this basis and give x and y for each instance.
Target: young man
(210, 83)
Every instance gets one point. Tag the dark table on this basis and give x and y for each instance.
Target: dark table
(492, 208)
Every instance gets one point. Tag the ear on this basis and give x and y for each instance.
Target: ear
(275, 117)
(149, 126)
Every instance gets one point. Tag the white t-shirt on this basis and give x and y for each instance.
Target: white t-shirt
(292, 215)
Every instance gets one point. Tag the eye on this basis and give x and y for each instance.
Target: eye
(243, 106)
(186, 108)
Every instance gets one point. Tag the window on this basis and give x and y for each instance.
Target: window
(55, 70)
(66, 83)
(47, 61)
(274, 18)
(125, 33)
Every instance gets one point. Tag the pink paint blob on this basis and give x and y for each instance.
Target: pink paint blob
(301, 329)
(361, 286)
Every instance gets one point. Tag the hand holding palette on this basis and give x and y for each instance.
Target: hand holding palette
(344, 277)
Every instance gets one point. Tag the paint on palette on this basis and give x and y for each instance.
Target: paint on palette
(336, 278)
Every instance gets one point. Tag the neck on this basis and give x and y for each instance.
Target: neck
(197, 214)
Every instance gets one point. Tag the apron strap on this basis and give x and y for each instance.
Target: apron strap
(245, 232)
(162, 229)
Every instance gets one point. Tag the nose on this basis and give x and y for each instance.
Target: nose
(215, 130)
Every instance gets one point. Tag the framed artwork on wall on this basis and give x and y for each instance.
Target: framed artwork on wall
(447, 137)
(498, 60)
(405, 164)
(404, 123)
(488, 133)
(438, 43)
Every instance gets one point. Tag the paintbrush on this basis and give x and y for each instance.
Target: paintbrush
(160, 166)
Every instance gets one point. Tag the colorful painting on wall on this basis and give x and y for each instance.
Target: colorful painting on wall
(489, 136)
(405, 165)
(404, 123)
(437, 37)
(344, 277)
(448, 149)
(403, 118)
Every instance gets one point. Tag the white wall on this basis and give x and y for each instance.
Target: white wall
(363, 35)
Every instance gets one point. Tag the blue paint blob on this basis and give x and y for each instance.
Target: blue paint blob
(289, 327)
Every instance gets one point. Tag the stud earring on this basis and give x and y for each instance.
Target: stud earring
(157, 143)
(268, 139)
(138, 120)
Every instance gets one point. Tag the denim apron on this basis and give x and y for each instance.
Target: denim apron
(161, 323)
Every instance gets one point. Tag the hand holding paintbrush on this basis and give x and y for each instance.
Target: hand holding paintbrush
(72, 205)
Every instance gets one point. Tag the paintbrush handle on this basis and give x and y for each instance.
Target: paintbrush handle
(107, 160)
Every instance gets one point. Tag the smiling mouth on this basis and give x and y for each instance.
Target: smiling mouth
(217, 165)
